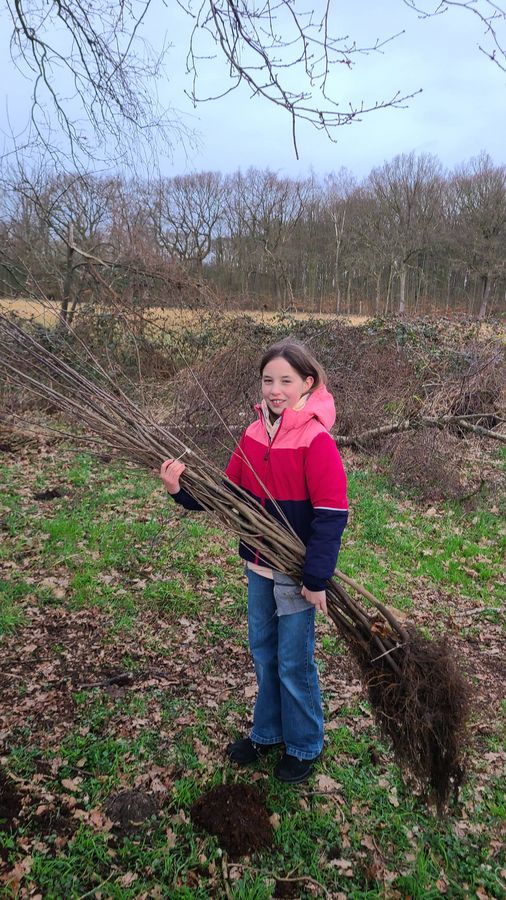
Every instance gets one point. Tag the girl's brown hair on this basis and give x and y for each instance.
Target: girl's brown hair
(300, 359)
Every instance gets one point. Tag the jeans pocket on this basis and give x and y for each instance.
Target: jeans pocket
(287, 594)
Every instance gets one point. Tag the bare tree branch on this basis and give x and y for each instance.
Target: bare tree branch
(490, 15)
(94, 77)
(92, 70)
(359, 440)
(263, 43)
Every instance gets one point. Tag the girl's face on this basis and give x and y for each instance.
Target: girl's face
(282, 386)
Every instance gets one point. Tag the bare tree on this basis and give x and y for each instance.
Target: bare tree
(408, 192)
(329, 245)
(50, 215)
(92, 75)
(478, 192)
(370, 253)
(186, 215)
(338, 189)
(267, 212)
(263, 42)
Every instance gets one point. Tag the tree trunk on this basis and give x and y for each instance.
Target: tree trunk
(389, 287)
(378, 293)
(69, 273)
(485, 296)
(402, 289)
(72, 311)
(338, 231)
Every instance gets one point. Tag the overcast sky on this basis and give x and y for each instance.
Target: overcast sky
(460, 111)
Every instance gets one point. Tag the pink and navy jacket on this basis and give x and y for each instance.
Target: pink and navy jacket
(301, 470)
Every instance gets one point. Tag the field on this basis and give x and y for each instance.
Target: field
(124, 665)
(47, 314)
(125, 668)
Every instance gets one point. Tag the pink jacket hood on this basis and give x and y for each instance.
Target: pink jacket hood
(319, 405)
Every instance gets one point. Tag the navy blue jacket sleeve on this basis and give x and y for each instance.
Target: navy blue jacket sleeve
(322, 548)
(326, 481)
(185, 499)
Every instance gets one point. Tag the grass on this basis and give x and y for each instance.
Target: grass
(392, 543)
(11, 611)
(113, 578)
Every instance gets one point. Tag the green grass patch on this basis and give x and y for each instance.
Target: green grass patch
(160, 594)
(11, 613)
(391, 542)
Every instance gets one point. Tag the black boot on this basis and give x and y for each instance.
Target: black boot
(245, 751)
(292, 770)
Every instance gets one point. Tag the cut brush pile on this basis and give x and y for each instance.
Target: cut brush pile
(417, 693)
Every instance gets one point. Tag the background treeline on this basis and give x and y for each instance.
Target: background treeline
(410, 237)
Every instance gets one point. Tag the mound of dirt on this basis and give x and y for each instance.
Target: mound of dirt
(237, 815)
(129, 809)
(10, 803)
(286, 888)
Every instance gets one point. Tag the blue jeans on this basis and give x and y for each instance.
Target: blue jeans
(288, 706)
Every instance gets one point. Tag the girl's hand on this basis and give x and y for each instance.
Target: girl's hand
(317, 598)
(170, 473)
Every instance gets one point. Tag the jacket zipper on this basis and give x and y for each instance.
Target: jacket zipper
(266, 459)
(269, 445)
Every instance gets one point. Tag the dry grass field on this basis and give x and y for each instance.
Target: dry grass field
(47, 313)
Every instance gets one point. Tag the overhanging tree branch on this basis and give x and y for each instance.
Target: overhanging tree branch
(263, 44)
(490, 15)
(94, 74)
(92, 70)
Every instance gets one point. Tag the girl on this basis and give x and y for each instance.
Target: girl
(288, 456)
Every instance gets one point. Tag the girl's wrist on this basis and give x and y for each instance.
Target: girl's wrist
(313, 584)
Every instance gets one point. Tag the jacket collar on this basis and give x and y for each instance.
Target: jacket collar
(318, 405)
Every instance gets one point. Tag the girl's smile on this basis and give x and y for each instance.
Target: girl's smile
(282, 386)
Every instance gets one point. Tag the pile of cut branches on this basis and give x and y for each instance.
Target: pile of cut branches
(417, 693)
(408, 394)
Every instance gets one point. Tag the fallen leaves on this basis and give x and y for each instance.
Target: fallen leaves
(127, 879)
(327, 785)
(171, 838)
(95, 818)
(345, 866)
(71, 784)
(13, 878)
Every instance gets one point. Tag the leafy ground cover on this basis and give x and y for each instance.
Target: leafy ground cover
(124, 673)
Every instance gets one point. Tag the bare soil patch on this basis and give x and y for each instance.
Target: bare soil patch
(10, 803)
(128, 810)
(237, 815)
